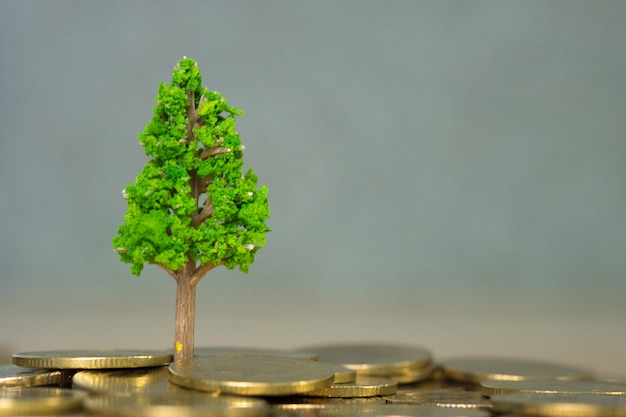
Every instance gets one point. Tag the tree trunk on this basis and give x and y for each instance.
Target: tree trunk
(185, 317)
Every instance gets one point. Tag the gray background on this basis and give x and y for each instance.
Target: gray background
(447, 174)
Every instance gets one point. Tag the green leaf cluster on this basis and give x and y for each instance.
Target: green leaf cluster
(192, 203)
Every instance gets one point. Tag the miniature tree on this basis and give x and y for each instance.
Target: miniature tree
(191, 208)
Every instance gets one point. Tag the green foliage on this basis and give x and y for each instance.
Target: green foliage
(192, 203)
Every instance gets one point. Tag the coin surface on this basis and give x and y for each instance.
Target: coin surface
(397, 410)
(39, 400)
(441, 398)
(435, 380)
(363, 386)
(477, 369)
(373, 358)
(370, 407)
(91, 359)
(16, 376)
(226, 350)
(409, 375)
(493, 387)
(259, 375)
(178, 404)
(126, 381)
(565, 405)
(342, 374)
(303, 403)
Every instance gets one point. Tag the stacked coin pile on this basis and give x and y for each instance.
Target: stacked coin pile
(403, 364)
(320, 381)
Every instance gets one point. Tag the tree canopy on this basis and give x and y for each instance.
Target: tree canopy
(192, 205)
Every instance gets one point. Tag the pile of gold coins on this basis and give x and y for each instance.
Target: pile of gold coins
(321, 381)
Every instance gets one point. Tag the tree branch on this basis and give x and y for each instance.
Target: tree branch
(170, 272)
(201, 271)
(206, 212)
(216, 150)
(192, 116)
(202, 100)
(194, 183)
(203, 184)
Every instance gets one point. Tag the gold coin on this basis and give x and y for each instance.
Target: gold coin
(16, 376)
(493, 387)
(374, 359)
(565, 405)
(434, 381)
(441, 398)
(368, 407)
(206, 351)
(408, 375)
(178, 404)
(39, 400)
(397, 410)
(477, 369)
(92, 359)
(126, 381)
(363, 386)
(251, 374)
(342, 374)
(304, 403)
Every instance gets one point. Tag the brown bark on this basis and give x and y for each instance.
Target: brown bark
(187, 279)
(185, 317)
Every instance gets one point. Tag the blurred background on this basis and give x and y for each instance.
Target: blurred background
(444, 174)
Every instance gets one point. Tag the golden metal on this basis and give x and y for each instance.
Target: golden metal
(493, 387)
(397, 410)
(342, 374)
(560, 405)
(374, 359)
(434, 380)
(242, 374)
(184, 403)
(476, 369)
(16, 376)
(363, 386)
(206, 351)
(405, 376)
(304, 385)
(367, 407)
(126, 381)
(39, 401)
(92, 359)
(453, 398)
(304, 403)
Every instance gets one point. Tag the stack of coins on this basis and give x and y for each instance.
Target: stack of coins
(403, 364)
(26, 385)
(320, 381)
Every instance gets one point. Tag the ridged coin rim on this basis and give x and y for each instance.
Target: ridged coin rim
(91, 359)
(259, 375)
